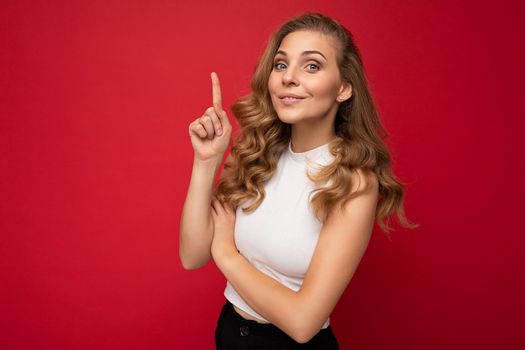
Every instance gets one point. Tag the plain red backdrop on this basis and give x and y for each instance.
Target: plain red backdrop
(95, 102)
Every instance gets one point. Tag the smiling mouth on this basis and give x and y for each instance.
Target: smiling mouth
(288, 100)
(291, 98)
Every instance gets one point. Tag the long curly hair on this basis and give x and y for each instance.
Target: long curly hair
(262, 136)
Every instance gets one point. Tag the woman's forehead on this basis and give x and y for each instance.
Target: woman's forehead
(295, 43)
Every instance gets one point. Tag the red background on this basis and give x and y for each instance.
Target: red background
(95, 102)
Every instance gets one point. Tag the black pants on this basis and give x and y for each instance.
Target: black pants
(234, 332)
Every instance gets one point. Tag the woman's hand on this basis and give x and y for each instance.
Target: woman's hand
(223, 244)
(210, 134)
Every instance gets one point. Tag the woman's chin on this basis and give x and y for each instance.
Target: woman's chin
(289, 118)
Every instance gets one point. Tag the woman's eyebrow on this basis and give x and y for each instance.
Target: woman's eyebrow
(304, 53)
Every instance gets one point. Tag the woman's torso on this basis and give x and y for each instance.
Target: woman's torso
(280, 236)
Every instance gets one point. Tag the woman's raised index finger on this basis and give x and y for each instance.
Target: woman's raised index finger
(216, 92)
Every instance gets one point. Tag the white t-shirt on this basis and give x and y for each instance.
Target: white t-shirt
(280, 236)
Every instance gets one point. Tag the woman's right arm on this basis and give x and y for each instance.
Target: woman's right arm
(210, 137)
(196, 226)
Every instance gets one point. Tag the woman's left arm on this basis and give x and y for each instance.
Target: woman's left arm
(342, 242)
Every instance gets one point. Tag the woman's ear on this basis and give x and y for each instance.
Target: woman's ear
(345, 92)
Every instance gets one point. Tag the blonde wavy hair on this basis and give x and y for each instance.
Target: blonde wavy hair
(262, 136)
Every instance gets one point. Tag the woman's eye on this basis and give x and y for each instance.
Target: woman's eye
(280, 65)
(315, 65)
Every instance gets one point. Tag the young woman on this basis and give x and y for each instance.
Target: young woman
(294, 207)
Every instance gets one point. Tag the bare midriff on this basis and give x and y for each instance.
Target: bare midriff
(248, 316)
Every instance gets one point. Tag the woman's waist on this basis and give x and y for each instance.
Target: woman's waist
(247, 316)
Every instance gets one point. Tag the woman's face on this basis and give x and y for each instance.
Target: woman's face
(305, 66)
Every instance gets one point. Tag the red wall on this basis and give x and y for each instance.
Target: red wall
(95, 102)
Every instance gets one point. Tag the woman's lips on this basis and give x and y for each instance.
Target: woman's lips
(288, 101)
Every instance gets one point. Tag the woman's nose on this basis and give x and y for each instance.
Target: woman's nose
(290, 76)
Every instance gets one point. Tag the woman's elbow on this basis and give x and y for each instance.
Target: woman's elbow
(303, 338)
(187, 265)
(304, 333)
(192, 263)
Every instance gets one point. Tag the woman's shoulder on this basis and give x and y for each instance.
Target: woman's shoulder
(363, 179)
